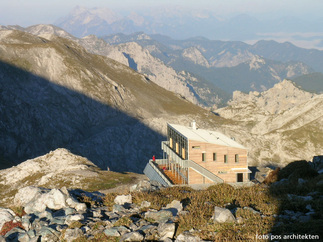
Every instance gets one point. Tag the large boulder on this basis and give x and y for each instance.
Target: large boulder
(36, 200)
(6, 215)
(223, 215)
(123, 199)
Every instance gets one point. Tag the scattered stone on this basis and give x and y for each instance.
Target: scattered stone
(72, 218)
(146, 186)
(187, 236)
(304, 198)
(6, 215)
(161, 216)
(72, 234)
(251, 210)
(145, 204)
(45, 198)
(111, 231)
(166, 230)
(123, 199)
(223, 215)
(175, 206)
(132, 236)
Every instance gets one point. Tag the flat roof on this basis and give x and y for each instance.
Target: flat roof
(207, 136)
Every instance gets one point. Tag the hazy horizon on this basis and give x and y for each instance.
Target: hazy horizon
(27, 13)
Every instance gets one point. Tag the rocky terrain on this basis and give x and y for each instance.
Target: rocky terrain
(61, 168)
(290, 205)
(285, 120)
(56, 94)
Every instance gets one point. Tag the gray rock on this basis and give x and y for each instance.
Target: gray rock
(145, 204)
(35, 199)
(304, 218)
(6, 215)
(13, 234)
(161, 216)
(118, 208)
(49, 234)
(97, 213)
(187, 236)
(123, 199)
(27, 194)
(111, 231)
(175, 206)
(72, 234)
(304, 198)
(123, 230)
(24, 237)
(72, 218)
(132, 236)
(301, 181)
(223, 215)
(251, 210)
(166, 230)
(146, 186)
(282, 182)
(69, 211)
(25, 221)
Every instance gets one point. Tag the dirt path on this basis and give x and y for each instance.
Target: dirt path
(125, 188)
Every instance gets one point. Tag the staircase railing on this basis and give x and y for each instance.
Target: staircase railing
(204, 172)
(176, 159)
(153, 173)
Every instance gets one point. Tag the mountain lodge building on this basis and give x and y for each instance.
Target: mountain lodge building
(197, 156)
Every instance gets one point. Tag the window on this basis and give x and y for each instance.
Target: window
(183, 153)
(225, 158)
(239, 177)
(203, 157)
(236, 158)
(214, 156)
(196, 147)
(170, 142)
(177, 148)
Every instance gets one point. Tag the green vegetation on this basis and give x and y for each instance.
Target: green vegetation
(200, 207)
(268, 203)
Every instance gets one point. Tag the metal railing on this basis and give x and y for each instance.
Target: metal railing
(204, 172)
(176, 159)
(154, 174)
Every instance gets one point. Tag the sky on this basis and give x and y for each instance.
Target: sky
(29, 12)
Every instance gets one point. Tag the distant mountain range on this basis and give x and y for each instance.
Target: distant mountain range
(55, 93)
(181, 23)
(203, 71)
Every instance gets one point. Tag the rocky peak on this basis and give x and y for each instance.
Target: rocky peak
(256, 62)
(45, 30)
(283, 96)
(195, 55)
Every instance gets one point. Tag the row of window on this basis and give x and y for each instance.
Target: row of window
(225, 158)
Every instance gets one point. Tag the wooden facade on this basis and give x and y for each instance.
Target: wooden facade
(224, 161)
(210, 150)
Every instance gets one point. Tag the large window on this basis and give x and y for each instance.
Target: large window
(214, 156)
(225, 158)
(177, 142)
(203, 157)
(236, 158)
(239, 177)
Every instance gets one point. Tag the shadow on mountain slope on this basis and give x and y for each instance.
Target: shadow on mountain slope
(37, 116)
(300, 212)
